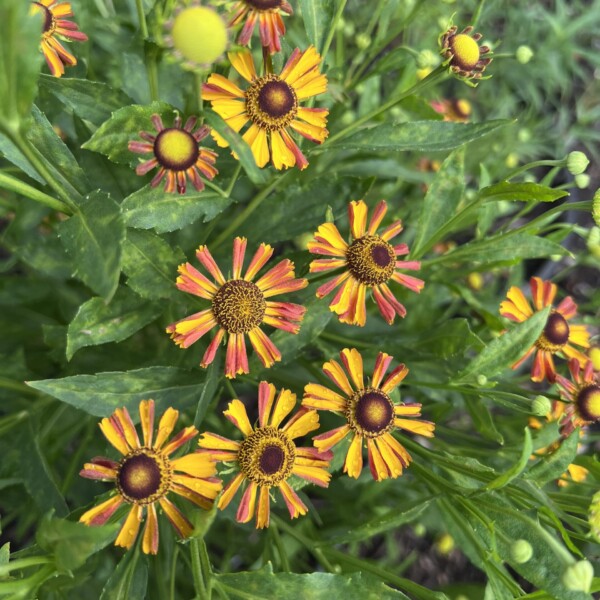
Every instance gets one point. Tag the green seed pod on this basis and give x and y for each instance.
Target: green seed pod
(578, 577)
(541, 406)
(521, 551)
(524, 54)
(577, 163)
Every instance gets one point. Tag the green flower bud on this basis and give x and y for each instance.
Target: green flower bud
(577, 162)
(348, 117)
(596, 208)
(427, 58)
(329, 218)
(521, 551)
(363, 41)
(349, 29)
(419, 530)
(578, 577)
(593, 241)
(524, 135)
(482, 380)
(594, 516)
(524, 54)
(541, 406)
(582, 181)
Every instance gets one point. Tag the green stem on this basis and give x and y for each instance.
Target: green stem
(199, 583)
(216, 188)
(234, 179)
(173, 573)
(478, 12)
(148, 56)
(17, 386)
(16, 185)
(333, 28)
(285, 563)
(418, 87)
(535, 164)
(23, 563)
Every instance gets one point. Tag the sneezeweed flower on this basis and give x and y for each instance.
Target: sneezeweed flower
(147, 473)
(368, 263)
(198, 35)
(558, 334)
(267, 13)
(268, 456)
(370, 414)
(465, 58)
(176, 153)
(57, 26)
(454, 109)
(582, 393)
(239, 306)
(271, 104)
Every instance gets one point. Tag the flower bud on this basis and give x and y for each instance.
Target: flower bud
(593, 241)
(427, 58)
(524, 54)
(541, 406)
(482, 380)
(363, 41)
(475, 281)
(521, 551)
(444, 544)
(594, 516)
(582, 181)
(512, 160)
(577, 162)
(578, 577)
(596, 208)
(419, 530)
(524, 135)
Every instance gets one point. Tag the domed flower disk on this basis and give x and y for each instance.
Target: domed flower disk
(56, 26)
(558, 334)
(369, 262)
(147, 473)
(267, 13)
(271, 104)
(369, 412)
(197, 34)
(268, 456)
(465, 58)
(582, 393)
(239, 306)
(176, 153)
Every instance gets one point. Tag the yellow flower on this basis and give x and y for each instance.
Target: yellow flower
(271, 104)
(465, 58)
(147, 473)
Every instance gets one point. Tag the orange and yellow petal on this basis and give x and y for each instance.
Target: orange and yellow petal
(262, 513)
(295, 506)
(181, 525)
(236, 413)
(303, 422)
(243, 63)
(98, 515)
(354, 459)
(329, 439)
(230, 490)
(150, 538)
(130, 528)
(247, 505)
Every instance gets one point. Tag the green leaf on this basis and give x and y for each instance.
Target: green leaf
(23, 461)
(506, 349)
(99, 323)
(553, 465)
(421, 136)
(214, 373)
(521, 192)
(151, 265)
(101, 394)
(517, 468)
(5, 554)
(237, 145)
(93, 237)
(72, 543)
(440, 203)
(93, 101)
(264, 584)
(20, 61)
(482, 419)
(130, 579)
(113, 136)
(511, 246)
(318, 17)
(152, 208)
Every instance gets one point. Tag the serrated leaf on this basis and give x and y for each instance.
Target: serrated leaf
(440, 203)
(521, 192)
(152, 208)
(72, 543)
(553, 465)
(93, 101)
(113, 136)
(237, 145)
(506, 349)
(20, 61)
(150, 264)
(514, 471)
(102, 393)
(420, 136)
(318, 17)
(266, 585)
(99, 323)
(130, 579)
(93, 237)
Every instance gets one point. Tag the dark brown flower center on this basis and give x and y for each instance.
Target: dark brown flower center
(271, 103)
(264, 4)
(176, 149)
(143, 476)
(371, 260)
(49, 22)
(370, 412)
(239, 306)
(556, 330)
(267, 456)
(588, 402)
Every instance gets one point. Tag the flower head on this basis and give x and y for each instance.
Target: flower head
(268, 456)
(268, 15)
(465, 58)
(558, 334)
(271, 104)
(176, 153)
(239, 306)
(369, 412)
(582, 392)
(453, 109)
(147, 473)
(198, 35)
(369, 262)
(56, 26)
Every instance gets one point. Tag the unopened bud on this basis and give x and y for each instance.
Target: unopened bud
(578, 577)
(427, 58)
(594, 516)
(577, 162)
(329, 218)
(363, 41)
(596, 208)
(541, 406)
(475, 281)
(593, 241)
(521, 551)
(524, 54)
(482, 380)
(512, 160)
(582, 181)
(445, 544)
